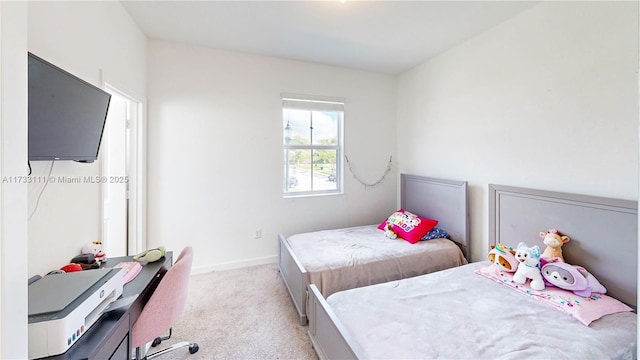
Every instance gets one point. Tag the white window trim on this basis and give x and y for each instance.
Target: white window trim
(317, 103)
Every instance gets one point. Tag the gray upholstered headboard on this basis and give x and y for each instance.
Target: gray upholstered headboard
(442, 200)
(603, 231)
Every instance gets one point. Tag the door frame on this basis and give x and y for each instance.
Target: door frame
(137, 190)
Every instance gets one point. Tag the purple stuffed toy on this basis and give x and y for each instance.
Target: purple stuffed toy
(572, 277)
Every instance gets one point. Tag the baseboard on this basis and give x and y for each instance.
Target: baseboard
(235, 264)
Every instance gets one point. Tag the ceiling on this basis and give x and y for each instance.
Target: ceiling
(381, 36)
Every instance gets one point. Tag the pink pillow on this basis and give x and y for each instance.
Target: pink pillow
(408, 226)
(585, 310)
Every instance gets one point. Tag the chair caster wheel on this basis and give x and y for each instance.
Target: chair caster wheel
(193, 348)
(156, 342)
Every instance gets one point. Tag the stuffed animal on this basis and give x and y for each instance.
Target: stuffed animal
(95, 248)
(503, 257)
(150, 255)
(543, 262)
(529, 260)
(388, 231)
(572, 277)
(554, 242)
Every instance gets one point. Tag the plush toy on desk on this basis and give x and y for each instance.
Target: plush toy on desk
(554, 242)
(95, 248)
(503, 257)
(388, 231)
(528, 267)
(571, 277)
(150, 255)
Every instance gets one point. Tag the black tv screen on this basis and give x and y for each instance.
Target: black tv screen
(66, 114)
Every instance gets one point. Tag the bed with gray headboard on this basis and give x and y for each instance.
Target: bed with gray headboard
(464, 312)
(340, 259)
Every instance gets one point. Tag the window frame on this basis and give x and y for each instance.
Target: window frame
(313, 103)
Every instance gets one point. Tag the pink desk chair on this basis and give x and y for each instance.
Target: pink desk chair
(164, 308)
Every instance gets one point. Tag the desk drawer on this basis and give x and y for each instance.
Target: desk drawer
(116, 345)
(123, 351)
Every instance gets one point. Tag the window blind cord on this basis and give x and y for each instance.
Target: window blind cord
(42, 191)
(387, 170)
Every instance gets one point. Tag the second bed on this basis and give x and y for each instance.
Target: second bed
(479, 311)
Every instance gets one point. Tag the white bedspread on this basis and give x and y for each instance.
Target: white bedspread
(457, 314)
(346, 258)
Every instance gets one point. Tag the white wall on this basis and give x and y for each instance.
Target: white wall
(13, 194)
(548, 100)
(83, 38)
(215, 151)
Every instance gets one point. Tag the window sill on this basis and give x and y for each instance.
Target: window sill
(310, 194)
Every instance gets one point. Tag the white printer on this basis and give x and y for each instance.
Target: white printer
(62, 307)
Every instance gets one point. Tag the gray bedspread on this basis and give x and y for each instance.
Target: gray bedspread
(342, 259)
(458, 314)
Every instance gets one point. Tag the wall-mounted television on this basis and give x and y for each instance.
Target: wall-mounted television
(66, 114)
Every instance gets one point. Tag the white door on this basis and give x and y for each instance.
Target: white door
(114, 155)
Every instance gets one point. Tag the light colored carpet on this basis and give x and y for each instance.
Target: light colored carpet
(240, 314)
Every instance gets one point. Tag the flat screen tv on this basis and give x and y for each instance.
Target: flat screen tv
(66, 114)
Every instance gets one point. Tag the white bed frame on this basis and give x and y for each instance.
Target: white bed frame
(596, 225)
(444, 200)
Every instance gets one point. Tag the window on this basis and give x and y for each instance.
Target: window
(312, 140)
